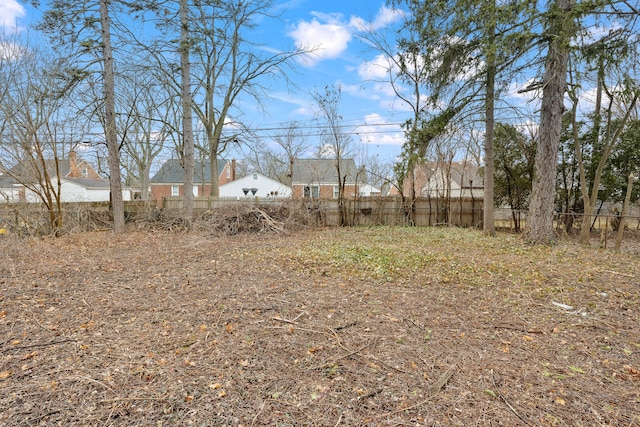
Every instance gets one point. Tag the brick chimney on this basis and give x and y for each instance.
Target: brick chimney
(73, 165)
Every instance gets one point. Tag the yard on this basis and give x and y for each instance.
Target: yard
(334, 327)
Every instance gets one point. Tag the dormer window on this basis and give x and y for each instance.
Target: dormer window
(255, 176)
(85, 172)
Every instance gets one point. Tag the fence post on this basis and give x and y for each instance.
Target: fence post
(627, 200)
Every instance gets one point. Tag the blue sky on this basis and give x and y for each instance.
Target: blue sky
(370, 110)
(333, 28)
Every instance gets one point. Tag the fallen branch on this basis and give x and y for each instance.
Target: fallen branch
(345, 356)
(281, 319)
(22, 347)
(506, 402)
(444, 379)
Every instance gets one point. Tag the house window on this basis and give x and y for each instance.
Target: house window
(195, 191)
(336, 191)
(175, 191)
(85, 172)
(228, 172)
(311, 191)
(255, 176)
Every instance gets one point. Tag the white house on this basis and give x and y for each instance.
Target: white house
(82, 190)
(9, 189)
(255, 185)
(79, 182)
(368, 190)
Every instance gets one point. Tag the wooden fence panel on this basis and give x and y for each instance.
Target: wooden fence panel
(367, 211)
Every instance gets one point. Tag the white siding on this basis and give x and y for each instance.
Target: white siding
(71, 192)
(266, 188)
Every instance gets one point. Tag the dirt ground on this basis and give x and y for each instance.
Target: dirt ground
(334, 327)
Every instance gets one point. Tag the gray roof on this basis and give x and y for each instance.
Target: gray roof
(6, 181)
(324, 171)
(90, 182)
(172, 172)
(24, 170)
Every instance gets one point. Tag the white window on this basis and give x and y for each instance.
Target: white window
(311, 191)
(336, 191)
(85, 172)
(175, 190)
(228, 172)
(195, 191)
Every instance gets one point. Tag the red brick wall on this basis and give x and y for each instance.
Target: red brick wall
(326, 191)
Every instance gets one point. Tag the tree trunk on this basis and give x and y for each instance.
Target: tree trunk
(213, 139)
(214, 188)
(187, 111)
(560, 30)
(488, 222)
(144, 185)
(623, 215)
(117, 203)
(588, 200)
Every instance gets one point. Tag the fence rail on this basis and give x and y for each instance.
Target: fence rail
(367, 211)
(465, 212)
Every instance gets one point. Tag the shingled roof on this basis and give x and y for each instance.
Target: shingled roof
(172, 172)
(324, 171)
(27, 171)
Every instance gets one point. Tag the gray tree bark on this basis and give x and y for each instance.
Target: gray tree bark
(187, 111)
(488, 222)
(115, 181)
(560, 30)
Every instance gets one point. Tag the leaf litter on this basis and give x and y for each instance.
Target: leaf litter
(360, 327)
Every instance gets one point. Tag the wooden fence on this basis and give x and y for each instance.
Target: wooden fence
(367, 211)
(364, 210)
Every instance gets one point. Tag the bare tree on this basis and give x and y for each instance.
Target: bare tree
(335, 140)
(83, 28)
(293, 145)
(145, 123)
(35, 122)
(407, 70)
(622, 94)
(227, 64)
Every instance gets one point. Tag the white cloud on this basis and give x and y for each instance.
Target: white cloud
(358, 90)
(376, 91)
(305, 112)
(587, 100)
(528, 92)
(377, 131)
(328, 35)
(10, 11)
(376, 69)
(325, 35)
(11, 51)
(386, 15)
(528, 128)
(303, 108)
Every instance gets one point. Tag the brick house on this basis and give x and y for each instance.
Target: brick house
(454, 180)
(318, 178)
(169, 180)
(79, 182)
